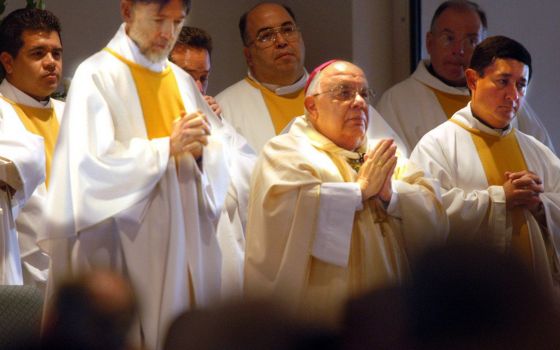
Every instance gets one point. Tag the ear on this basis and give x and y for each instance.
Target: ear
(472, 77)
(429, 42)
(311, 107)
(248, 57)
(8, 62)
(126, 10)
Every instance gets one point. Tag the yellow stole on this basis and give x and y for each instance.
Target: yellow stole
(500, 154)
(363, 260)
(159, 97)
(283, 108)
(450, 103)
(42, 122)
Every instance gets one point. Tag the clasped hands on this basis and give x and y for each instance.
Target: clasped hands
(374, 177)
(190, 133)
(522, 189)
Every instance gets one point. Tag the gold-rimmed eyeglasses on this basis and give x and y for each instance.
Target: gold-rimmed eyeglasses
(348, 93)
(267, 37)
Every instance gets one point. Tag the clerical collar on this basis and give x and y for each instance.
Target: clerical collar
(13, 93)
(283, 90)
(499, 130)
(447, 82)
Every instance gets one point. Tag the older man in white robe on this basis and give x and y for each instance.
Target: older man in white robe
(331, 215)
(142, 170)
(263, 103)
(499, 185)
(437, 88)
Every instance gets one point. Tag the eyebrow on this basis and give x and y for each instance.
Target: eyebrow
(267, 28)
(44, 47)
(447, 30)
(508, 75)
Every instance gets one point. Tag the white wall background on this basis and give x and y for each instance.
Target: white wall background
(535, 24)
(372, 33)
(365, 31)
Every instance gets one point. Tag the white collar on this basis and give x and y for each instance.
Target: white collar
(283, 90)
(423, 75)
(466, 116)
(126, 47)
(13, 93)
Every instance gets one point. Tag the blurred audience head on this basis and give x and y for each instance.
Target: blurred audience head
(246, 325)
(460, 297)
(92, 311)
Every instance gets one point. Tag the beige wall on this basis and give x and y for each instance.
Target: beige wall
(359, 30)
(373, 33)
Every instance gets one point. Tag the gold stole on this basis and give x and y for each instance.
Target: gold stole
(283, 108)
(500, 154)
(450, 103)
(363, 258)
(42, 122)
(161, 104)
(159, 97)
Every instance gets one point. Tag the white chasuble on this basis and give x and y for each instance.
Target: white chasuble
(312, 243)
(477, 209)
(118, 200)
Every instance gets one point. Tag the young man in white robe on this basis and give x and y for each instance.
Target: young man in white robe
(332, 215)
(22, 170)
(500, 186)
(141, 172)
(31, 57)
(193, 53)
(437, 88)
(263, 103)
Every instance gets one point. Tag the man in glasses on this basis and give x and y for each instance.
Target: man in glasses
(437, 88)
(264, 102)
(332, 213)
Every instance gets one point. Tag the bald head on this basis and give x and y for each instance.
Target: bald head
(337, 104)
(456, 28)
(273, 45)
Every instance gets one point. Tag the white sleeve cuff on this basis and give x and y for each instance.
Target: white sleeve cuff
(337, 205)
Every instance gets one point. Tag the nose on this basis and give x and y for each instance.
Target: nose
(512, 93)
(279, 39)
(359, 101)
(459, 47)
(49, 61)
(166, 31)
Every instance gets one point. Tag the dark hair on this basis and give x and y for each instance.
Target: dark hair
(162, 3)
(195, 37)
(499, 47)
(18, 21)
(83, 315)
(459, 5)
(243, 20)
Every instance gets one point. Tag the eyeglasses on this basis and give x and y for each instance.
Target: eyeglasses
(348, 93)
(267, 37)
(469, 43)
